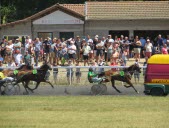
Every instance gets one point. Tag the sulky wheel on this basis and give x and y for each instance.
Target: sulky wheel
(103, 89)
(11, 89)
(98, 89)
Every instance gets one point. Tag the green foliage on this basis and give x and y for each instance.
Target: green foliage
(5, 12)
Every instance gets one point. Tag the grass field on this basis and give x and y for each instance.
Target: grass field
(84, 112)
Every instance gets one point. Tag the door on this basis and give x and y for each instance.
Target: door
(118, 33)
(66, 35)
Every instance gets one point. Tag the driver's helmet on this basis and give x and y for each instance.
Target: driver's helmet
(91, 69)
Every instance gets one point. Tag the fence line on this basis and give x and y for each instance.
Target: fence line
(79, 67)
(71, 67)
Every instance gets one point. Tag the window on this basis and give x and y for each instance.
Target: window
(66, 35)
(118, 33)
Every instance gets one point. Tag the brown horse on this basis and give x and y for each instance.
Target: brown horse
(124, 77)
(10, 72)
(38, 77)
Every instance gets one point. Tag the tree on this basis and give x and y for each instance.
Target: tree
(5, 12)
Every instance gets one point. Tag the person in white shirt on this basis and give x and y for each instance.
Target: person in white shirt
(86, 49)
(72, 51)
(148, 47)
(18, 59)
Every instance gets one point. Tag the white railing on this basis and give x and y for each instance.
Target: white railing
(67, 67)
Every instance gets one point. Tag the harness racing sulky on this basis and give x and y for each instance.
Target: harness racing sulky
(100, 79)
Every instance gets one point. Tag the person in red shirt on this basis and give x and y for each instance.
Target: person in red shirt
(114, 63)
(164, 49)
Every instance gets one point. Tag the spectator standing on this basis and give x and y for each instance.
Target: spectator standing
(38, 47)
(69, 72)
(143, 42)
(17, 46)
(58, 48)
(164, 49)
(18, 59)
(28, 39)
(78, 44)
(124, 56)
(72, 51)
(148, 48)
(11, 63)
(63, 52)
(99, 50)
(3, 48)
(52, 52)
(78, 72)
(168, 45)
(160, 42)
(125, 46)
(86, 49)
(109, 51)
(46, 48)
(137, 48)
(91, 53)
(55, 73)
(27, 58)
(9, 50)
(109, 37)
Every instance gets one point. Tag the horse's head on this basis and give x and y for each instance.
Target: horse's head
(137, 68)
(132, 68)
(46, 66)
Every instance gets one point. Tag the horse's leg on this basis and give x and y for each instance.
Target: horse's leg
(50, 83)
(113, 85)
(37, 84)
(131, 85)
(25, 86)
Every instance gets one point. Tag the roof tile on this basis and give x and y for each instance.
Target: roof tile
(127, 10)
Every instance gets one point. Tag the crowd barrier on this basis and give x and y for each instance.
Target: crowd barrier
(63, 71)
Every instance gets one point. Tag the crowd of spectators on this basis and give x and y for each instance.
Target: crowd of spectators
(112, 51)
(97, 51)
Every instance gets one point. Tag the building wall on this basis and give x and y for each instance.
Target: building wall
(76, 28)
(15, 30)
(102, 27)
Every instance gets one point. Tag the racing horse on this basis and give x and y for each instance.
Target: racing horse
(124, 75)
(38, 77)
(10, 72)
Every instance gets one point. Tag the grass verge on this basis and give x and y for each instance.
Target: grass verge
(84, 112)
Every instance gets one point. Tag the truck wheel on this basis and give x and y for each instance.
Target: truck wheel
(157, 92)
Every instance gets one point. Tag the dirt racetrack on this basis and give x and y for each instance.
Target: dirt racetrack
(46, 90)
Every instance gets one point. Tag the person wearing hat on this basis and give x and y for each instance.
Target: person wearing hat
(86, 49)
(148, 48)
(109, 38)
(72, 51)
(93, 77)
(17, 47)
(99, 50)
